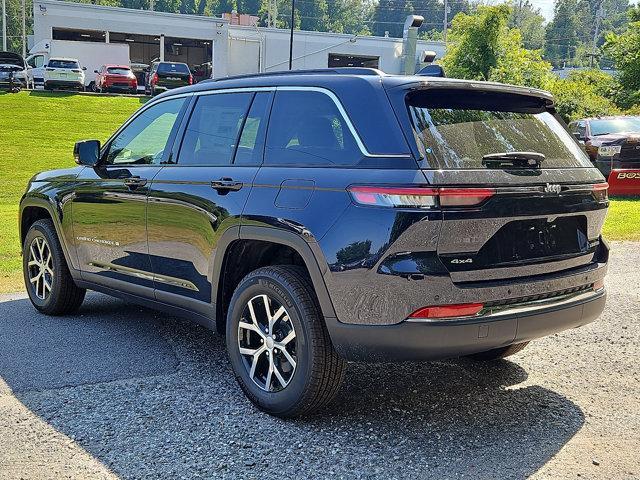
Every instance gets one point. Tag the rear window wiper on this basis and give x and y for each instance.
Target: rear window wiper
(513, 159)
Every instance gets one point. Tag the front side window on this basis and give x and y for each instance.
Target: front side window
(36, 62)
(455, 131)
(212, 132)
(306, 128)
(145, 140)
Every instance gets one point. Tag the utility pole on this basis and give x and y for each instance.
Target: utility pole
(4, 25)
(24, 30)
(446, 21)
(293, 12)
(596, 33)
(272, 13)
(151, 5)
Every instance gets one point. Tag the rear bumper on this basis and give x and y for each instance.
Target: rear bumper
(413, 341)
(63, 84)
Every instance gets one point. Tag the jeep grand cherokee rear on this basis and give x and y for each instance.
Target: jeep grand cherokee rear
(498, 244)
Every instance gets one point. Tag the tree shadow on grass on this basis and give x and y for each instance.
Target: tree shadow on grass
(154, 396)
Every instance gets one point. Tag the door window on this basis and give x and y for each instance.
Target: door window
(211, 135)
(306, 128)
(36, 62)
(251, 144)
(144, 141)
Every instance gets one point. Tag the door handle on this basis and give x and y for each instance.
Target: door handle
(225, 185)
(135, 182)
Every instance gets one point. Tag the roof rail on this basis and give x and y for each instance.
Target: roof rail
(321, 71)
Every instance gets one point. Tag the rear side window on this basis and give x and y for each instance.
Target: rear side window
(306, 128)
(173, 68)
(455, 130)
(212, 132)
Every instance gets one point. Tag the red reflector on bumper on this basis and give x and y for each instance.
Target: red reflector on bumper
(448, 311)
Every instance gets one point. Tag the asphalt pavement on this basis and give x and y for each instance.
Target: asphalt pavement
(123, 391)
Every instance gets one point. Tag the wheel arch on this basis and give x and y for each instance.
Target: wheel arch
(33, 209)
(278, 245)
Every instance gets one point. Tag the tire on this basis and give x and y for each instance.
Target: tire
(318, 371)
(498, 353)
(63, 296)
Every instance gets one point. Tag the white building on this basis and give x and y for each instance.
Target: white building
(232, 49)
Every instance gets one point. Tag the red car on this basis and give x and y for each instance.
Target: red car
(116, 78)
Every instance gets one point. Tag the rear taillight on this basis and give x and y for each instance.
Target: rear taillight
(601, 191)
(190, 80)
(420, 197)
(598, 285)
(154, 79)
(448, 311)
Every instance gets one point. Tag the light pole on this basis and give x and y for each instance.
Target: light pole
(446, 21)
(4, 25)
(24, 30)
(293, 12)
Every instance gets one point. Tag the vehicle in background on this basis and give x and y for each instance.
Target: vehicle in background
(140, 70)
(64, 73)
(165, 76)
(201, 72)
(116, 78)
(13, 71)
(89, 54)
(612, 143)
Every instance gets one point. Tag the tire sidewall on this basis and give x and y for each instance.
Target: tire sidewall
(38, 229)
(286, 399)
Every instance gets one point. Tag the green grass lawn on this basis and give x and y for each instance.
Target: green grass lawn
(38, 130)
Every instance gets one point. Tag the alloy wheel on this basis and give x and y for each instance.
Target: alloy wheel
(40, 267)
(267, 343)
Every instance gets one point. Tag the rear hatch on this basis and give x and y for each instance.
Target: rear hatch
(519, 197)
(63, 70)
(9, 62)
(173, 75)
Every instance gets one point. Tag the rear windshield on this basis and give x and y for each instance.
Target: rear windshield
(615, 125)
(173, 68)
(63, 64)
(456, 129)
(118, 71)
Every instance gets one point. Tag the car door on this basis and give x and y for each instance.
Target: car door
(193, 202)
(109, 205)
(35, 70)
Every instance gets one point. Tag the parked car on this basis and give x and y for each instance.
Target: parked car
(13, 71)
(165, 76)
(611, 142)
(116, 78)
(88, 54)
(140, 70)
(64, 73)
(316, 217)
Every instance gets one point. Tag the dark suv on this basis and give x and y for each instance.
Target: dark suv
(165, 76)
(323, 216)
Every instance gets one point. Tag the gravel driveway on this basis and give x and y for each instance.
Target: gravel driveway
(123, 391)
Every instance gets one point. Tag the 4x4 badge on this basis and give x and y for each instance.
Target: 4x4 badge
(459, 260)
(552, 188)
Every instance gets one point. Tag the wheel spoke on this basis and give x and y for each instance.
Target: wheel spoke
(288, 356)
(267, 383)
(33, 254)
(252, 327)
(287, 339)
(273, 319)
(279, 376)
(47, 285)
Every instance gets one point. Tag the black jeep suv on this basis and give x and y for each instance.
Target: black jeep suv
(316, 217)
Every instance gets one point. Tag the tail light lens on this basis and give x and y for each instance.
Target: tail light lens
(601, 192)
(448, 311)
(420, 197)
(190, 80)
(154, 79)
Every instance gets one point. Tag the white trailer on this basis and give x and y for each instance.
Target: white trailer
(91, 55)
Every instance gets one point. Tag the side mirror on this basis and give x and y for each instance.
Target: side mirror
(87, 152)
(578, 136)
(84, 68)
(96, 71)
(433, 70)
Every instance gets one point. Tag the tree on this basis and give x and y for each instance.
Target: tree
(582, 94)
(568, 29)
(625, 50)
(528, 19)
